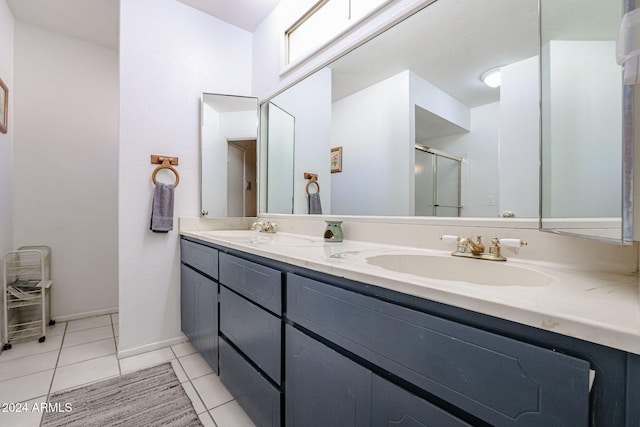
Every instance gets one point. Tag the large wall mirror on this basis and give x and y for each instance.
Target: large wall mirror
(228, 143)
(584, 103)
(413, 91)
(422, 135)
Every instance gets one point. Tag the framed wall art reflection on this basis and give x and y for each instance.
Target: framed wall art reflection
(336, 159)
(4, 107)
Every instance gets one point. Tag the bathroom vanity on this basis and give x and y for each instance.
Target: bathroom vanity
(301, 342)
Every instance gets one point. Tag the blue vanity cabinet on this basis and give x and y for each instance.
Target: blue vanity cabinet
(199, 299)
(499, 380)
(251, 330)
(356, 354)
(324, 388)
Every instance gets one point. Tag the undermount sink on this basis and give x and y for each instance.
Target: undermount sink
(257, 238)
(489, 273)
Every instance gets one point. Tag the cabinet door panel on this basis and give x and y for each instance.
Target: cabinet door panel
(207, 321)
(500, 380)
(394, 406)
(260, 400)
(256, 332)
(188, 298)
(324, 388)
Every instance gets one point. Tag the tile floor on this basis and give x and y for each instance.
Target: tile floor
(84, 351)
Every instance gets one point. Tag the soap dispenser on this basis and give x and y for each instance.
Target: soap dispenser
(333, 231)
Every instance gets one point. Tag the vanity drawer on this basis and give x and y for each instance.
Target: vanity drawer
(260, 284)
(202, 258)
(498, 379)
(260, 400)
(255, 331)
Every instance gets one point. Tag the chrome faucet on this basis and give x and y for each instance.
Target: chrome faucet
(265, 227)
(468, 248)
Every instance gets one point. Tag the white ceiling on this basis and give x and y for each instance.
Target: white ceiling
(246, 14)
(97, 21)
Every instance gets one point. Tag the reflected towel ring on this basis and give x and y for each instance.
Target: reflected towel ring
(166, 165)
(313, 181)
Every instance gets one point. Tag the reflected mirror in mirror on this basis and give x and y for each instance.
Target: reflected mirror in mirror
(418, 85)
(228, 141)
(278, 154)
(582, 118)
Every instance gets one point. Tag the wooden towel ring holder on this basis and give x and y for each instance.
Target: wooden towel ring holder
(166, 164)
(313, 182)
(313, 179)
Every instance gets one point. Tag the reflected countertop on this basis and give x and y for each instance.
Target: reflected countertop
(599, 307)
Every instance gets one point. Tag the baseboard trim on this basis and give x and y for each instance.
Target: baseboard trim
(150, 347)
(85, 314)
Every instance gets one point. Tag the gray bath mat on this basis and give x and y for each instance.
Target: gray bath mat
(147, 398)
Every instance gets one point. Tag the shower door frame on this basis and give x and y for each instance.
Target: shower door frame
(434, 166)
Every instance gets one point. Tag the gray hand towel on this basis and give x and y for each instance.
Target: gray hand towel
(162, 208)
(315, 207)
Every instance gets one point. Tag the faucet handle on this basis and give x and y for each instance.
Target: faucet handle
(512, 243)
(449, 238)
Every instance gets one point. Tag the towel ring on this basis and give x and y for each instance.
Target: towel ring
(166, 165)
(313, 181)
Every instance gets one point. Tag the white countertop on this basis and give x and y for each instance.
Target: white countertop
(603, 308)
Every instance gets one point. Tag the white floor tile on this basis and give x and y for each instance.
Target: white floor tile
(182, 376)
(24, 388)
(195, 399)
(28, 348)
(25, 415)
(146, 360)
(28, 365)
(183, 349)
(85, 372)
(86, 354)
(57, 329)
(88, 323)
(231, 415)
(211, 390)
(206, 420)
(195, 366)
(86, 336)
(88, 351)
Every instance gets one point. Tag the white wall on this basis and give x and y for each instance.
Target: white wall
(374, 128)
(169, 54)
(66, 164)
(479, 147)
(6, 140)
(309, 102)
(520, 139)
(580, 130)
(214, 148)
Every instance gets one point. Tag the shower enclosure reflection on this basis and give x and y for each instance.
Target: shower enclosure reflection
(438, 183)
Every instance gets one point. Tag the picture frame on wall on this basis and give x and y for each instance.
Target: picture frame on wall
(336, 159)
(4, 107)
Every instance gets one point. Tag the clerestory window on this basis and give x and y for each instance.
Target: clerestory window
(326, 20)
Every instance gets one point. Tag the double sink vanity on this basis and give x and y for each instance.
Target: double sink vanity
(308, 333)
